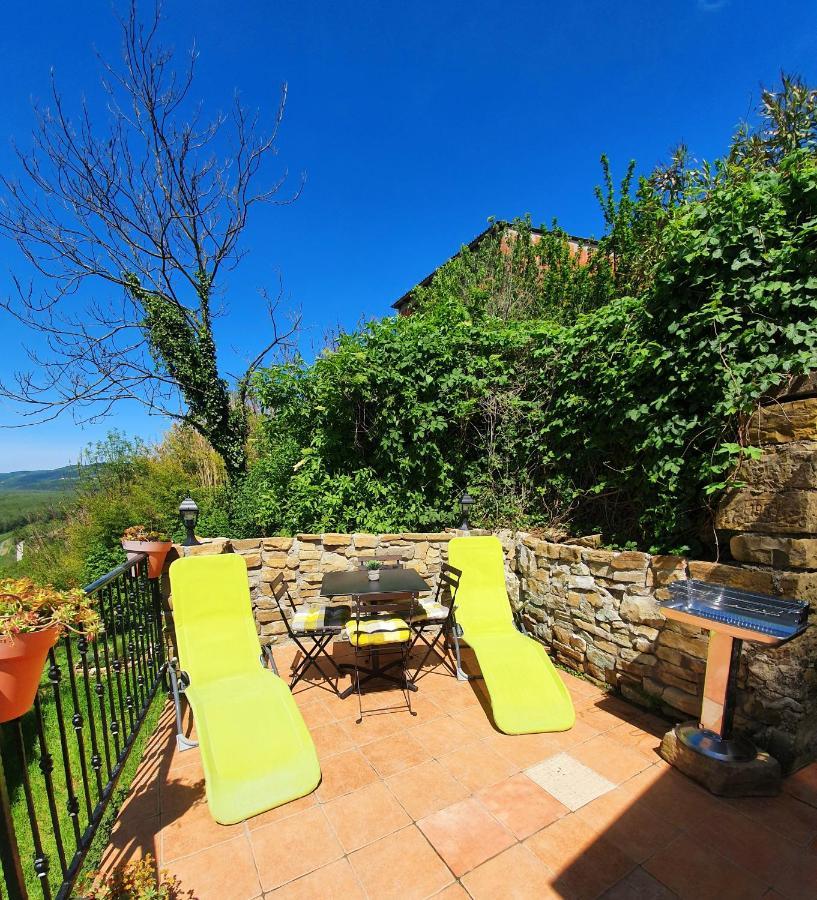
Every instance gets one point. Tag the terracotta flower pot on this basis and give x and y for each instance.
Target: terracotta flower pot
(156, 551)
(22, 658)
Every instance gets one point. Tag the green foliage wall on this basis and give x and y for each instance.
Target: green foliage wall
(623, 419)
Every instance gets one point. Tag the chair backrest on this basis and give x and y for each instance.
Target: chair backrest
(449, 580)
(215, 628)
(283, 599)
(482, 598)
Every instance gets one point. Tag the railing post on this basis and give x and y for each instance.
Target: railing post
(9, 851)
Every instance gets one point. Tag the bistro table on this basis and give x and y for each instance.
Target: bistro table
(358, 585)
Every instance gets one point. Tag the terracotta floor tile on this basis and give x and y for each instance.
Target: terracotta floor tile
(331, 738)
(378, 722)
(226, 870)
(181, 791)
(426, 788)
(192, 831)
(334, 881)
(394, 753)
(454, 891)
(525, 750)
(477, 766)
(803, 785)
(759, 850)
(693, 870)
(401, 866)
(476, 721)
(521, 805)
(343, 773)
(583, 863)
(293, 847)
(441, 735)
(569, 781)
(365, 816)
(638, 885)
(672, 796)
(132, 838)
(578, 734)
(465, 835)
(316, 713)
(516, 874)
(282, 812)
(784, 813)
(612, 760)
(629, 824)
(797, 877)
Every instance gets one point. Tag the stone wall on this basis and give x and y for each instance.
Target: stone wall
(305, 559)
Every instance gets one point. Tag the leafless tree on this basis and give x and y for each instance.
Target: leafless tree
(129, 227)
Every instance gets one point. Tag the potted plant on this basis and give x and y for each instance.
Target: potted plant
(32, 617)
(374, 566)
(140, 539)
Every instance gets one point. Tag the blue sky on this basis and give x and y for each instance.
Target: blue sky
(414, 123)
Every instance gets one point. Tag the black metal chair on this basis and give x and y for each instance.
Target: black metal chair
(435, 615)
(317, 622)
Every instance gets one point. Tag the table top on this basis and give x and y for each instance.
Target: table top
(356, 584)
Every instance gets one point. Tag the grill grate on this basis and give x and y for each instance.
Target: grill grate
(767, 615)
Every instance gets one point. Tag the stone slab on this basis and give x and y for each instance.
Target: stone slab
(776, 551)
(794, 420)
(759, 778)
(784, 512)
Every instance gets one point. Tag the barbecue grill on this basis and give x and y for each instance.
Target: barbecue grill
(732, 616)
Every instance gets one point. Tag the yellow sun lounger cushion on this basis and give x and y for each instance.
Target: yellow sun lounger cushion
(256, 750)
(375, 632)
(527, 694)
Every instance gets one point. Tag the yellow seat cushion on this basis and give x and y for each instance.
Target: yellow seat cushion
(430, 611)
(308, 618)
(376, 631)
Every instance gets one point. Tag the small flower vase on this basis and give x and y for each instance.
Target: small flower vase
(374, 575)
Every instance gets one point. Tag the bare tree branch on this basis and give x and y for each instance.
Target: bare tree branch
(149, 208)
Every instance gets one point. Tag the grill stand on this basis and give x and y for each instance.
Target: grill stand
(713, 737)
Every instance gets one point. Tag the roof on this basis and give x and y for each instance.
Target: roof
(494, 226)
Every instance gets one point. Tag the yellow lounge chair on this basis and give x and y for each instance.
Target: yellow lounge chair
(255, 747)
(527, 694)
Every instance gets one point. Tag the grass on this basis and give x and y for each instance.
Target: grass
(44, 814)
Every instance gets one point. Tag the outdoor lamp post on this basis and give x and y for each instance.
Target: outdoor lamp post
(466, 502)
(189, 514)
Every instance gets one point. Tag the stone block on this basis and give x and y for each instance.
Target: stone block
(782, 467)
(334, 562)
(277, 543)
(783, 512)
(642, 610)
(760, 777)
(309, 538)
(694, 646)
(601, 660)
(630, 560)
(583, 583)
(253, 560)
(793, 420)
(635, 576)
(332, 539)
(272, 566)
(365, 541)
(799, 586)
(758, 581)
(779, 552)
(242, 545)
(677, 698)
(209, 548)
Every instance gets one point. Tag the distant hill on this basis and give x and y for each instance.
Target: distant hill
(64, 478)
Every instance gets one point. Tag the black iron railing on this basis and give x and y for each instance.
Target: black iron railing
(60, 762)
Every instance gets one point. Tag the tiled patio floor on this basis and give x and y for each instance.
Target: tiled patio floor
(442, 804)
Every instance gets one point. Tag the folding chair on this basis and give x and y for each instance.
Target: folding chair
(434, 615)
(318, 623)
